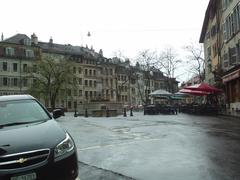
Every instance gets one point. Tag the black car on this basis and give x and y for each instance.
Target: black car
(32, 144)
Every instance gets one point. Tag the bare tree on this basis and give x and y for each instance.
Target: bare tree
(196, 60)
(169, 63)
(146, 60)
(49, 77)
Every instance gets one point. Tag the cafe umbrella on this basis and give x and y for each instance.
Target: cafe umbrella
(204, 87)
(160, 93)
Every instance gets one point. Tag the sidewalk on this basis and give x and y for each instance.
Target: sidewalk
(230, 114)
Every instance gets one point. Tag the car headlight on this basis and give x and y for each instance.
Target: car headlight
(64, 147)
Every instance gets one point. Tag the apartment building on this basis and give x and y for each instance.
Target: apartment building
(221, 37)
(231, 52)
(87, 73)
(17, 54)
(95, 76)
(108, 79)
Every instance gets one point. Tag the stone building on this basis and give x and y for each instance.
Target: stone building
(96, 78)
(221, 38)
(17, 54)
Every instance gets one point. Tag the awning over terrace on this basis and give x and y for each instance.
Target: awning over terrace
(202, 88)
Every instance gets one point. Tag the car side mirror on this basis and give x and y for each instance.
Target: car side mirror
(57, 113)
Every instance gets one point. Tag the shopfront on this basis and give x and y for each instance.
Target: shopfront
(231, 80)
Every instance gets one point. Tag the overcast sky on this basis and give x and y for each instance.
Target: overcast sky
(128, 26)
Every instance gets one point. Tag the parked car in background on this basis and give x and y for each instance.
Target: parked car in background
(32, 144)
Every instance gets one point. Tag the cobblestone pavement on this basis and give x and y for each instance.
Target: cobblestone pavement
(169, 147)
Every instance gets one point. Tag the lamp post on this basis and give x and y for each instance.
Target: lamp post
(75, 109)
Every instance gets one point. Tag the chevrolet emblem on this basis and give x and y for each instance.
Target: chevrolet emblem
(21, 160)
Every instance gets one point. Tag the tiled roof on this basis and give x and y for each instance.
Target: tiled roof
(67, 49)
(211, 5)
(55, 48)
(16, 39)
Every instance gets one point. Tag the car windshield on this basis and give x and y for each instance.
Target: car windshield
(21, 111)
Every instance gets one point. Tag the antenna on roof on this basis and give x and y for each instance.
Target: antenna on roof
(2, 37)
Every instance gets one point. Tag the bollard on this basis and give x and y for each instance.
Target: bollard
(131, 111)
(75, 113)
(124, 112)
(86, 113)
(107, 112)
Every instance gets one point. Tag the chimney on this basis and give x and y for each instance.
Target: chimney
(101, 52)
(34, 39)
(2, 38)
(50, 40)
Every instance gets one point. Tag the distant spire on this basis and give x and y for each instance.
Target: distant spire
(51, 40)
(34, 39)
(88, 34)
(101, 52)
(2, 37)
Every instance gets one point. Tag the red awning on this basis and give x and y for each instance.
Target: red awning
(194, 92)
(204, 87)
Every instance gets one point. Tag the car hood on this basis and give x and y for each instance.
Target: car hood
(28, 137)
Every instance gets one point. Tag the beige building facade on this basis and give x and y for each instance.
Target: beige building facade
(96, 78)
(222, 51)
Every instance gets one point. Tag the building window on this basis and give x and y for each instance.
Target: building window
(74, 80)
(74, 70)
(69, 104)
(80, 81)
(90, 83)
(80, 92)
(15, 67)
(27, 42)
(233, 55)
(209, 52)
(94, 72)
(208, 35)
(86, 83)
(213, 31)
(111, 82)
(238, 51)
(111, 93)
(90, 72)
(106, 81)
(24, 67)
(225, 31)
(9, 51)
(86, 72)
(225, 60)
(5, 81)
(15, 82)
(86, 94)
(25, 82)
(34, 68)
(79, 70)
(29, 53)
(69, 92)
(75, 92)
(5, 66)
(95, 83)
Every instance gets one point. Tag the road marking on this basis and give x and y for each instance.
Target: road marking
(113, 145)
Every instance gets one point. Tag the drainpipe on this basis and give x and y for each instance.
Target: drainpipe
(20, 76)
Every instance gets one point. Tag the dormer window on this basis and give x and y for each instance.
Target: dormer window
(27, 42)
(29, 53)
(9, 51)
